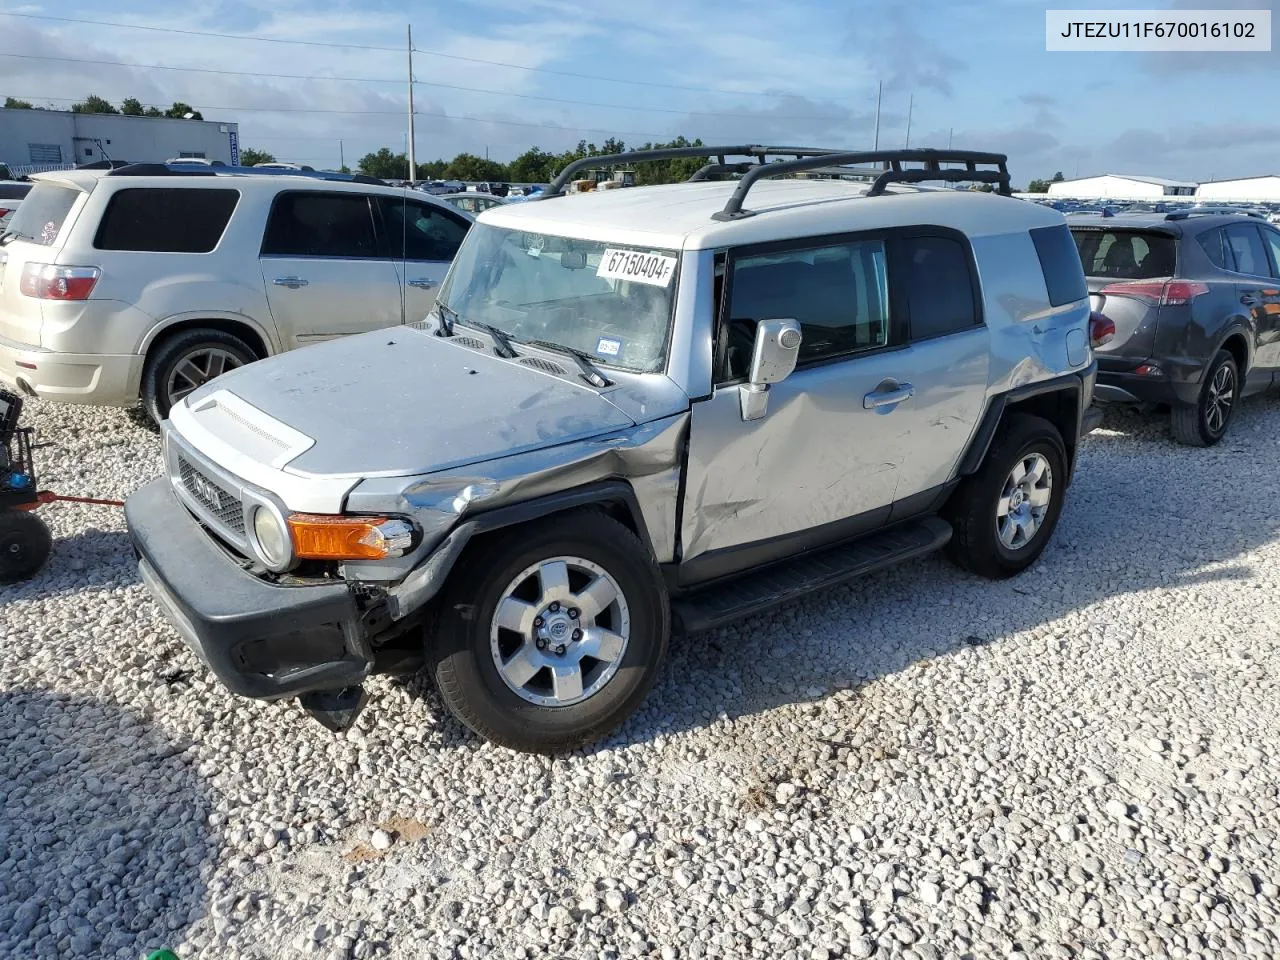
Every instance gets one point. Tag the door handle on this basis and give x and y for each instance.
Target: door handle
(887, 398)
(1248, 299)
(291, 282)
(423, 283)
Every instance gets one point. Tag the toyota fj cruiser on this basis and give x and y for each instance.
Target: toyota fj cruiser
(632, 413)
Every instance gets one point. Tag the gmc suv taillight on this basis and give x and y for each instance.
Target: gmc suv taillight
(1102, 330)
(48, 281)
(1162, 293)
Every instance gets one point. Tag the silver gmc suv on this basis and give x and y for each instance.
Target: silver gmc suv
(632, 413)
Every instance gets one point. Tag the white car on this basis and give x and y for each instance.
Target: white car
(145, 282)
(12, 193)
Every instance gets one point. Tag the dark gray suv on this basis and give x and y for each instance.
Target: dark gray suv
(1195, 302)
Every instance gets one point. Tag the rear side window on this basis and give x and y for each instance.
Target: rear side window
(333, 225)
(165, 219)
(1246, 249)
(42, 213)
(940, 291)
(422, 231)
(1212, 243)
(1060, 264)
(1125, 254)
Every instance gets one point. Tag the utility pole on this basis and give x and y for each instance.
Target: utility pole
(910, 106)
(413, 166)
(342, 162)
(879, 90)
(950, 132)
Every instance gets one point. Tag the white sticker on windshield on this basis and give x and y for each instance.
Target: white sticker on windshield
(608, 347)
(651, 268)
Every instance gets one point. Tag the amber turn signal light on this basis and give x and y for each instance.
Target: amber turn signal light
(319, 536)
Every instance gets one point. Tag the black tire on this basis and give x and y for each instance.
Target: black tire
(973, 511)
(1196, 424)
(461, 652)
(25, 545)
(170, 354)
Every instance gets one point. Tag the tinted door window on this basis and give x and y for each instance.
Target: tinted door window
(838, 293)
(165, 220)
(940, 290)
(1247, 250)
(337, 225)
(1272, 239)
(422, 231)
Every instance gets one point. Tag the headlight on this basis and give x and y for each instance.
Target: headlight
(271, 538)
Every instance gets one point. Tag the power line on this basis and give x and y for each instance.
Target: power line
(396, 80)
(428, 53)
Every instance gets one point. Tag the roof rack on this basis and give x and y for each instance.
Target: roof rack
(809, 159)
(200, 170)
(1213, 212)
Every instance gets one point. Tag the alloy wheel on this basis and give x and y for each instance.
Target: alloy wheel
(196, 369)
(559, 631)
(1024, 501)
(1219, 399)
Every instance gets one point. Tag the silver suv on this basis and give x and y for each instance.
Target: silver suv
(147, 281)
(633, 412)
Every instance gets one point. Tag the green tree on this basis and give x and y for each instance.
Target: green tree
(13, 103)
(433, 169)
(130, 107)
(467, 166)
(1058, 177)
(532, 166)
(250, 157)
(93, 104)
(179, 110)
(384, 165)
(152, 112)
(1038, 186)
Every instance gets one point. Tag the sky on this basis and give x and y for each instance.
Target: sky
(974, 75)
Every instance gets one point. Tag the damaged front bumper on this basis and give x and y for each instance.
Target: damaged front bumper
(262, 640)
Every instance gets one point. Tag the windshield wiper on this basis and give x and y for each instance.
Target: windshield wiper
(502, 342)
(448, 316)
(590, 372)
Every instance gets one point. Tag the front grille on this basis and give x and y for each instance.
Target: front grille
(222, 505)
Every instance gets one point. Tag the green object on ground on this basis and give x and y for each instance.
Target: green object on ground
(162, 955)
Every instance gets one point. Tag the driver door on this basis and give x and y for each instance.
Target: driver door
(423, 238)
(824, 461)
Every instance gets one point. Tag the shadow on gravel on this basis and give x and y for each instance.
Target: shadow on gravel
(103, 841)
(1143, 514)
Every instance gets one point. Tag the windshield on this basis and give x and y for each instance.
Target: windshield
(40, 217)
(610, 301)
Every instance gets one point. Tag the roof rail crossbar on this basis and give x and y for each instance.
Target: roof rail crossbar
(200, 170)
(720, 154)
(893, 160)
(1213, 212)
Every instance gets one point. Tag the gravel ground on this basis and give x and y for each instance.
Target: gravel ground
(1081, 762)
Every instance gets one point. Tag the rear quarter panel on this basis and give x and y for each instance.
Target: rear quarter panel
(1031, 340)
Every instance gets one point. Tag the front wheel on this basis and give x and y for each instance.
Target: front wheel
(1205, 422)
(551, 635)
(186, 361)
(1004, 515)
(25, 545)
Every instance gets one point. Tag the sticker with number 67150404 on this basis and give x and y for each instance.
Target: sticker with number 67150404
(654, 269)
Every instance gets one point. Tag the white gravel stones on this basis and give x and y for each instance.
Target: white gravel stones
(381, 840)
(917, 765)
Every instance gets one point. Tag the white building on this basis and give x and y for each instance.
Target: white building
(1113, 186)
(1248, 189)
(33, 140)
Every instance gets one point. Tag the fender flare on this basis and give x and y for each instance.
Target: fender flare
(425, 581)
(157, 330)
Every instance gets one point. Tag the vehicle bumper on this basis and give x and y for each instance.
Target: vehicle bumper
(103, 379)
(261, 640)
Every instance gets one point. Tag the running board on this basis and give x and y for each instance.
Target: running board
(723, 603)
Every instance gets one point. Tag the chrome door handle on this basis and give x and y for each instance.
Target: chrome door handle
(887, 398)
(423, 283)
(1248, 299)
(291, 282)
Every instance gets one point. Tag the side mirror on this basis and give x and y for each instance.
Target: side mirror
(773, 359)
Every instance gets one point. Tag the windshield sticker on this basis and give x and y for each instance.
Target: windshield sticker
(651, 268)
(607, 347)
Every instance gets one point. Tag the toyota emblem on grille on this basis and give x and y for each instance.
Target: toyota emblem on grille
(206, 490)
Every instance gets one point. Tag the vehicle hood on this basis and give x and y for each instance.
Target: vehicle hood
(393, 402)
